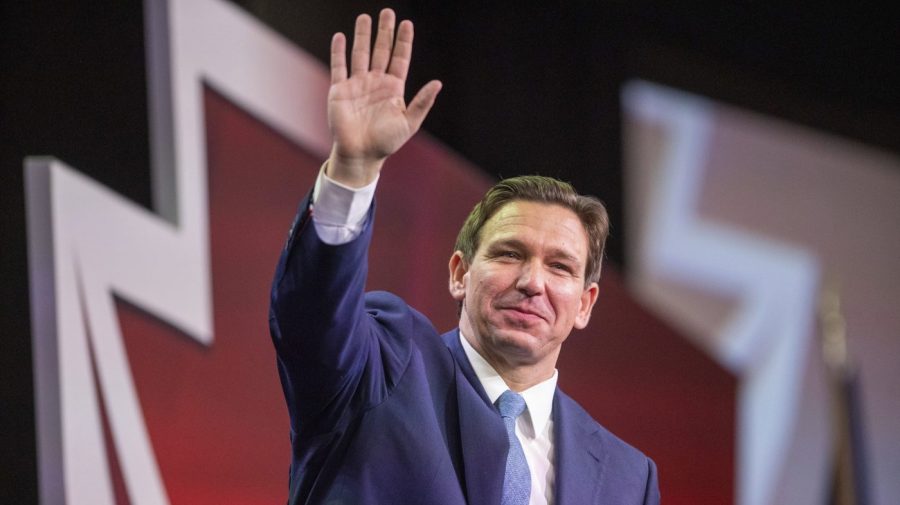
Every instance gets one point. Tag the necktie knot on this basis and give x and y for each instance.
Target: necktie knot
(511, 404)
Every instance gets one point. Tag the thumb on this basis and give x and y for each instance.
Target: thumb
(421, 104)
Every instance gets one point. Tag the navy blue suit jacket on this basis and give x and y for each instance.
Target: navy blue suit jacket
(384, 410)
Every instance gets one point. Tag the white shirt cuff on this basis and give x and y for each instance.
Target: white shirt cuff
(339, 211)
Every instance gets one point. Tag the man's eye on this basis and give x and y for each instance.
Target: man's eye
(561, 266)
(507, 254)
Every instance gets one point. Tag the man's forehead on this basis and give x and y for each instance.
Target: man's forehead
(522, 217)
(518, 210)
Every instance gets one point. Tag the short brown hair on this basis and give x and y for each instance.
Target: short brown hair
(537, 188)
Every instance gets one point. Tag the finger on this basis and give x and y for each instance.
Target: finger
(402, 50)
(381, 54)
(338, 58)
(359, 58)
(421, 104)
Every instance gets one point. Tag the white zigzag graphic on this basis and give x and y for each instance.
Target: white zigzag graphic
(766, 339)
(87, 243)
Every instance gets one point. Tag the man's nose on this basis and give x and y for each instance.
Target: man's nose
(531, 278)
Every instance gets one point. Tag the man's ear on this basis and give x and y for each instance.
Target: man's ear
(458, 270)
(588, 299)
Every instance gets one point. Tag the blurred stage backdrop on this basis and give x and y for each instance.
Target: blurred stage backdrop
(153, 157)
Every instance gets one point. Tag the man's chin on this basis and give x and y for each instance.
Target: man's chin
(519, 343)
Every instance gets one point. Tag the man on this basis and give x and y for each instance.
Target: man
(383, 409)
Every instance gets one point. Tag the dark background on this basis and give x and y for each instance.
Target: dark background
(526, 89)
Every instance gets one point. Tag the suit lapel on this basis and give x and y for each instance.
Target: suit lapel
(580, 458)
(482, 435)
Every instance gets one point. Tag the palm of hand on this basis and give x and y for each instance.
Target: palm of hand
(367, 115)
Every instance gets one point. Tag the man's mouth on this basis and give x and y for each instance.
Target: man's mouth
(524, 312)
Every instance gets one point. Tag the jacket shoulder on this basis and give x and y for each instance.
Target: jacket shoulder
(579, 415)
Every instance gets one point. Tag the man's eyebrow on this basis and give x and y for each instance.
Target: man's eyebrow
(506, 242)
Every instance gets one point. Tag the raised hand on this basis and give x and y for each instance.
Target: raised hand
(367, 114)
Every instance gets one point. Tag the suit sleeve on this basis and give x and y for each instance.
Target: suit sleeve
(651, 493)
(338, 354)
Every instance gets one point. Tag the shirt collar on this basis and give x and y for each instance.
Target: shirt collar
(538, 398)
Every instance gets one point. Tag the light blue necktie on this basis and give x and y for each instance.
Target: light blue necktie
(517, 480)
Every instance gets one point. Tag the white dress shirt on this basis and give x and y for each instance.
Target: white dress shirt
(339, 213)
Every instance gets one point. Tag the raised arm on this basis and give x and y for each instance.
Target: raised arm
(367, 113)
(337, 352)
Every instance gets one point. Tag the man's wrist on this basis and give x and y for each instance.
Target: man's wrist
(351, 171)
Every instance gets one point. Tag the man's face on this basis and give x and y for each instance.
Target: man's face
(524, 290)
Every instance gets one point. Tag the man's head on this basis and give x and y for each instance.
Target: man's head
(526, 268)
